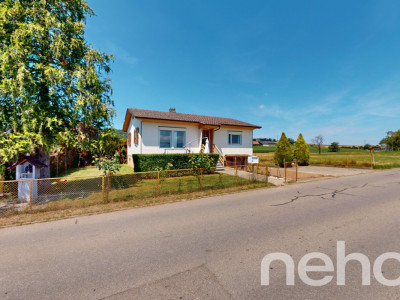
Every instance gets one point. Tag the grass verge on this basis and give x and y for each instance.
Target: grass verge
(140, 194)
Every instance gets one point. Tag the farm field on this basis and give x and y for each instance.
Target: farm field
(346, 157)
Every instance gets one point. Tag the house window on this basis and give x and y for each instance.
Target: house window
(172, 139)
(235, 139)
(165, 138)
(179, 139)
(136, 137)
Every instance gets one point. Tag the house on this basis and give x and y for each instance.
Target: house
(268, 143)
(256, 143)
(157, 132)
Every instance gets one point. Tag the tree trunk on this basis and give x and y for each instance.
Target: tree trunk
(44, 158)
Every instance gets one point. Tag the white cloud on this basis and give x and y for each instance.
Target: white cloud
(261, 106)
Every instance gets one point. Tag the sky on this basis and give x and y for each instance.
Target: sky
(310, 67)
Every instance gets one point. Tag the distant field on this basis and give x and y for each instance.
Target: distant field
(262, 149)
(345, 157)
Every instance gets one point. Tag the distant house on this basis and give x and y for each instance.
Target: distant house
(256, 143)
(155, 132)
(268, 143)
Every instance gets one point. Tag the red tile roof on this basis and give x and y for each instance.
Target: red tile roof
(32, 160)
(200, 119)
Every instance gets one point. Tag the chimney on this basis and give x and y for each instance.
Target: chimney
(172, 110)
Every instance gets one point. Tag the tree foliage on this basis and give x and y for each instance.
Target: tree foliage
(318, 141)
(283, 151)
(108, 165)
(334, 147)
(52, 82)
(301, 151)
(392, 140)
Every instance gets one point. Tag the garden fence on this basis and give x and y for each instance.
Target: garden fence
(24, 196)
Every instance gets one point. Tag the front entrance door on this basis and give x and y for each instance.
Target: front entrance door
(209, 134)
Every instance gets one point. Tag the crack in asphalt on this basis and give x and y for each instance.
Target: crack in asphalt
(332, 194)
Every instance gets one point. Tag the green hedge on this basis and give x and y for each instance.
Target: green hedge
(157, 162)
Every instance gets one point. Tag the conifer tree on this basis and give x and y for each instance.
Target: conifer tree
(301, 151)
(284, 151)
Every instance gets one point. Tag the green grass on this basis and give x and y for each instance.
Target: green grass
(94, 171)
(262, 149)
(347, 157)
(85, 196)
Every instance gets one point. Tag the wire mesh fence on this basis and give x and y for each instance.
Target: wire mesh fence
(25, 196)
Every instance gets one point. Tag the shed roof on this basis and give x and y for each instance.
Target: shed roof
(32, 160)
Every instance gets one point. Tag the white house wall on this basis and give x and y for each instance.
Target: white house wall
(134, 148)
(151, 138)
(221, 139)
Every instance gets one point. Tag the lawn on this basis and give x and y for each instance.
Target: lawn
(94, 171)
(347, 157)
(262, 149)
(134, 190)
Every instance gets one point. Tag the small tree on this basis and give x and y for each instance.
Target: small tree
(334, 147)
(283, 151)
(301, 151)
(367, 147)
(109, 166)
(318, 141)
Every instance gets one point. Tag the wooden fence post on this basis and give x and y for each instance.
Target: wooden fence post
(236, 174)
(266, 173)
(201, 179)
(103, 188)
(297, 164)
(30, 195)
(158, 183)
(284, 163)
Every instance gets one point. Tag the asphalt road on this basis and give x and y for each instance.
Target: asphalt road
(210, 248)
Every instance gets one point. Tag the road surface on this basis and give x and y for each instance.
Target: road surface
(210, 248)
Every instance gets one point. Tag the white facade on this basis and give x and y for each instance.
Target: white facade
(162, 138)
(221, 139)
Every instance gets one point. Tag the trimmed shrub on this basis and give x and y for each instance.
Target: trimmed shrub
(160, 162)
(301, 151)
(283, 151)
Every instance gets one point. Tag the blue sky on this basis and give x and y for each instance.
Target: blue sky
(315, 67)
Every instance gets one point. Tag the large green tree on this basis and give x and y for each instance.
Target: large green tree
(53, 83)
(301, 151)
(283, 152)
(392, 140)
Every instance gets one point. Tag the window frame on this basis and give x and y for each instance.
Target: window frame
(230, 140)
(170, 138)
(173, 137)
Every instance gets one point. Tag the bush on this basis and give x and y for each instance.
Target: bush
(283, 151)
(301, 151)
(160, 162)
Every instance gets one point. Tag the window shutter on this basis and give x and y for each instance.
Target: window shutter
(129, 139)
(136, 139)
